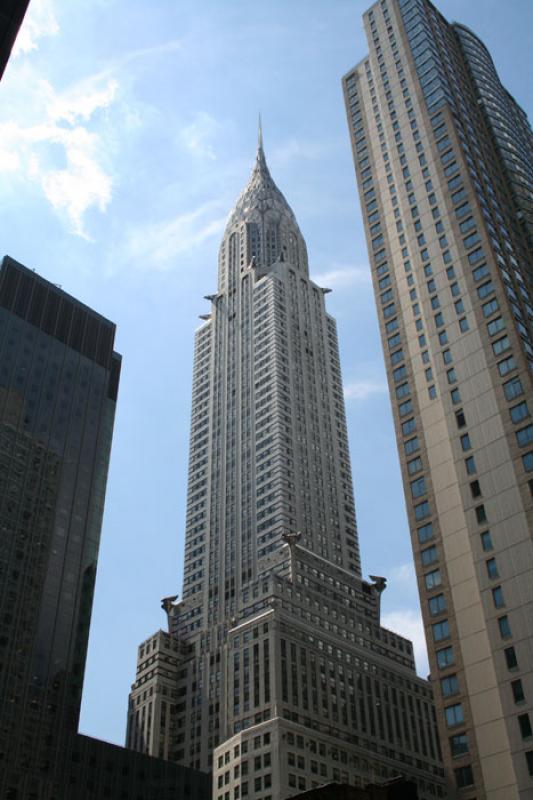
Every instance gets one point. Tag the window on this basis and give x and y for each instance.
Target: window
(485, 289)
(470, 465)
(497, 597)
(437, 604)
(429, 556)
(492, 568)
(422, 510)
(460, 418)
(500, 345)
(464, 777)
(451, 375)
(449, 685)
(513, 388)
(525, 726)
(479, 273)
(414, 466)
(409, 426)
(402, 390)
(425, 533)
(529, 762)
(481, 514)
(455, 396)
(418, 487)
(433, 579)
(527, 461)
(459, 745)
(506, 366)
(405, 408)
(454, 715)
(495, 326)
(445, 657)
(441, 630)
(519, 412)
(486, 541)
(463, 325)
(524, 436)
(447, 356)
(465, 442)
(490, 307)
(475, 489)
(411, 446)
(518, 691)
(511, 660)
(399, 373)
(505, 627)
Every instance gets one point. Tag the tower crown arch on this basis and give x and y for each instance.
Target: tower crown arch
(263, 224)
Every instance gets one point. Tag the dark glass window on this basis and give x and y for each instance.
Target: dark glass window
(464, 777)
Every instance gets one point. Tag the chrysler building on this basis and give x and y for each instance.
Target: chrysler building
(275, 673)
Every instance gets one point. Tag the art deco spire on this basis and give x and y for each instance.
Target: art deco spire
(272, 230)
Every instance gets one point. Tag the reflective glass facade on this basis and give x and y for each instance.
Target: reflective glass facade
(58, 388)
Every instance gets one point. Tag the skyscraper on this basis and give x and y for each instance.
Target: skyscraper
(443, 162)
(58, 389)
(58, 385)
(275, 673)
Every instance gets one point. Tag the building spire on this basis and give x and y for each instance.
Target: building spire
(261, 160)
(260, 134)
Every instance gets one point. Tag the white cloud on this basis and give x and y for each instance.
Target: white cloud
(408, 623)
(40, 21)
(60, 153)
(404, 574)
(197, 137)
(81, 100)
(294, 148)
(63, 141)
(156, 245)
(340, 277)
(362, 390)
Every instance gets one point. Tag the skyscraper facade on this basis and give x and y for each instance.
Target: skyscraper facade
(58, 386)
(275, 673)
(443, 161)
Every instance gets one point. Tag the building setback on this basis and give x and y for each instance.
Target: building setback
(443, 161)
(58, 388)
(275, 673)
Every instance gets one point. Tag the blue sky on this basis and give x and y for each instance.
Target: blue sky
(127, 131)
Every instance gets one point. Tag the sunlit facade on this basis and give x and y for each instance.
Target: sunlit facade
(275, 673)
(443, 162)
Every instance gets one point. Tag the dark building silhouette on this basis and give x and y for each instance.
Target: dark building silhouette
(11, 15)
(395, 789)
(59, 379)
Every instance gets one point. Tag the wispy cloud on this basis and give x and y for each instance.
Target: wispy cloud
(40, 21)
(362, 390)
(157, 245)
(339, 277)
(294, 148)
(404, 574)
(63, 141)
(59, 152)
(408, 623)
(198, 136)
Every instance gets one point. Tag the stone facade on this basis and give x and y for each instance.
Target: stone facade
(443, 162)
(275, 673)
